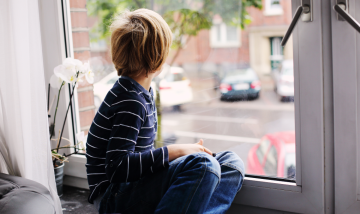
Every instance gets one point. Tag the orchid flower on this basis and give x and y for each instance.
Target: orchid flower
(56, 81)
(70, 71)
(81, 138)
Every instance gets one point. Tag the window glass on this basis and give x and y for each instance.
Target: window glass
(262, 150)
(270, 167)
(112, 81)
(224, 84)
(231, 33)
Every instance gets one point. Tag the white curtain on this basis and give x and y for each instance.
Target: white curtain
(23, 119)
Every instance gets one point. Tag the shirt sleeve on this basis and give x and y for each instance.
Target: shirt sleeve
(123, 164)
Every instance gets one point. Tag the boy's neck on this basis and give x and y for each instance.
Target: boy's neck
(144, 81)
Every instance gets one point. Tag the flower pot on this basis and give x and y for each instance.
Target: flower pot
(59, 177)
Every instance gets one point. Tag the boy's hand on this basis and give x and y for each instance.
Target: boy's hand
(178, 150)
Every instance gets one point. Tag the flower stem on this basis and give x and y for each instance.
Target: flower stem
(57, 104)
(62, 130)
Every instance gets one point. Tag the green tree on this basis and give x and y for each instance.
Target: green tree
(200, 12)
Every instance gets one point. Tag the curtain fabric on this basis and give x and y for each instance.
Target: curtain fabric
(24, 135)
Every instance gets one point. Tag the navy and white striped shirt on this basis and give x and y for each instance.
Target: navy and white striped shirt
(120, 144)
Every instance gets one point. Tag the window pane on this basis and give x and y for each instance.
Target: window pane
(231, 33)
(231, 96)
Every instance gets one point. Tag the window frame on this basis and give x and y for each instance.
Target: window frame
(307, 194)
(346, 52)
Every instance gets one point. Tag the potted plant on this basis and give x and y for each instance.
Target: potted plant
(71, 71)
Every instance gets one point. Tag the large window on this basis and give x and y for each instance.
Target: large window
(221, 95)
(229, 96)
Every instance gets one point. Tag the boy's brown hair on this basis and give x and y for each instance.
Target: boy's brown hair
(140, 42)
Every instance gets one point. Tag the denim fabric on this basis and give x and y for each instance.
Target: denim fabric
(196, 183)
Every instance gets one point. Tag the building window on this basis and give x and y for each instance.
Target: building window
(277, 52)
(222, 35)
(273, 7)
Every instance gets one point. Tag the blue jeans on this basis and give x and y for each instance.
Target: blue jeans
(196, 183)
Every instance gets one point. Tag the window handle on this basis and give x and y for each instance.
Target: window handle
(341, 9)
(306, 10)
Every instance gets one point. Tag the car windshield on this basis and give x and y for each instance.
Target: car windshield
(240, 74)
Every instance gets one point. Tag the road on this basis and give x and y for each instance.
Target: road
(235, 126)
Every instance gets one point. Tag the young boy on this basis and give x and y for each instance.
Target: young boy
(126, 174)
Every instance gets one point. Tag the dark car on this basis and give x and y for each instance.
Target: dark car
(240, 84)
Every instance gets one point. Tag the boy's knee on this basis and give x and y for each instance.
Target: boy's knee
(212, 165)
(231, 159)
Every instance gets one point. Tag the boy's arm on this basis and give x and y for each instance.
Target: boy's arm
(122, 164)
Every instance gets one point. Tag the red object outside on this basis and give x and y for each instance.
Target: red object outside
(255, 84)
(283, 142)
(224, 86)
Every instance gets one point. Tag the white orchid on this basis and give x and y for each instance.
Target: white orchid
(66, 73)
(73, 70)
(72, 64)
(55, 81)
(89, 75)
(70, 71)
(81, 138)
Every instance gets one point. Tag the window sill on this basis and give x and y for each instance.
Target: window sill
(271, 184)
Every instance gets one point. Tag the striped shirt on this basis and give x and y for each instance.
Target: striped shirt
(120, 144)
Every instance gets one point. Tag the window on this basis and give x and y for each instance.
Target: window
(223, 35)
(262, 150)
(277, 52)
(238, 119)
(273, 7)
(271, 160)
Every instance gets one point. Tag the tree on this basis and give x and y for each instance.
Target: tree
(199, 12)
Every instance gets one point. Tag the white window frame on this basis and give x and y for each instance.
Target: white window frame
(214, 43)
(269, 11)
(307, 195)
(346, 81)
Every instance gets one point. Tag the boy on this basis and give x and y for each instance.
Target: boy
(126, 174)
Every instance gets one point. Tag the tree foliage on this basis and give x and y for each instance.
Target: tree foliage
(197, 14)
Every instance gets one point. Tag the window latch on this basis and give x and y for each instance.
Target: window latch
(305, 9)
(342, 8)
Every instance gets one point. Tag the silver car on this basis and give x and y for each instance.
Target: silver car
(284, 80)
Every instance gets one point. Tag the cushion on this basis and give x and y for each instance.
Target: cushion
(19, 195)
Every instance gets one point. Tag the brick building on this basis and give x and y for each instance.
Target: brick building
(81, 49)
(258, 45)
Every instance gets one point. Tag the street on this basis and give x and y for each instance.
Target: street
(236, 126)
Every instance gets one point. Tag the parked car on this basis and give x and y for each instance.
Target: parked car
(240, 83)
(102, 87)
(284, 80)
(274, 156)
(174, 86)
